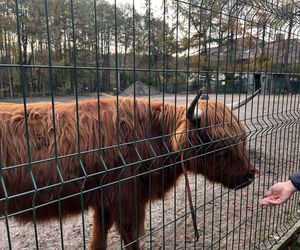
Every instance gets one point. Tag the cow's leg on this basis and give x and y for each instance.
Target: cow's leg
(131, 223)
(101, 224)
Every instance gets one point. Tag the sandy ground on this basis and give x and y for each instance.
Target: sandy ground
(226, 219)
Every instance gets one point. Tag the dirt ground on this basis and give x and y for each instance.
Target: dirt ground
(226, 219)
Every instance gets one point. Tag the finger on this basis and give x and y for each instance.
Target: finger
(268, 193)
(275, 202)
(266, 198)
(263, 202)
(269, 202)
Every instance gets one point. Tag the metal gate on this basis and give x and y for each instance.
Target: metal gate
(123, 124)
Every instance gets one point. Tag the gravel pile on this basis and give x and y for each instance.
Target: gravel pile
(141, 89)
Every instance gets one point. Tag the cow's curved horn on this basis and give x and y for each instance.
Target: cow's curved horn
(238, 104)
(190, 111)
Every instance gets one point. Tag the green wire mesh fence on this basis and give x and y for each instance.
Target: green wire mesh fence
(147, 124)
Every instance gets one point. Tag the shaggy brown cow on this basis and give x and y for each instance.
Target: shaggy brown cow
(113, 181)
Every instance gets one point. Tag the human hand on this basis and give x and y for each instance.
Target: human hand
(278, 194)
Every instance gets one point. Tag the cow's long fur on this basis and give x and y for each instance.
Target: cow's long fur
(41, 181)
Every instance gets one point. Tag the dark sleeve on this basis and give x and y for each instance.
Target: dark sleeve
(295, 179)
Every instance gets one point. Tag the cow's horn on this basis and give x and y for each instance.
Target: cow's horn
(190, 113)
(238, 104)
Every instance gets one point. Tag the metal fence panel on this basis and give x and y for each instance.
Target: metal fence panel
(120, 125)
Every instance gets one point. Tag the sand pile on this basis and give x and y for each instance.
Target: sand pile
(141, 89)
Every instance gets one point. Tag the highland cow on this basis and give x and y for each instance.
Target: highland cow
(113, 160)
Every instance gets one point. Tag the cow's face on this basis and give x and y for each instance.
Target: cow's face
(222, 154)
(218, 143)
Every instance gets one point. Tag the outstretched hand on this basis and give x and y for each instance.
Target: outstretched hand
(278, 194)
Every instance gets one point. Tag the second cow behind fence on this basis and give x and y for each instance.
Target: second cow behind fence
(113, 160)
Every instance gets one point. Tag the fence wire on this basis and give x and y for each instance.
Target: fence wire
(104, 105)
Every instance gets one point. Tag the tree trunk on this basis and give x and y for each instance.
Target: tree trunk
(24, 39)
(44, 88)
(108, 60)
(7, 44)
(10, 80)
(103, 62)
(65, 46)
(125, 53)
(39, 81)
(8, 60)
(207, 75)
(31, 61)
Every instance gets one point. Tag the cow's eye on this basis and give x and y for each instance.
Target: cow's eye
(206, 138)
